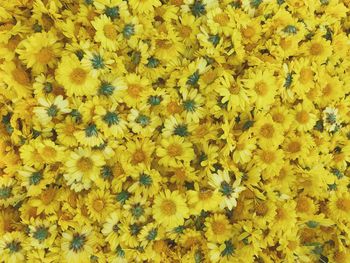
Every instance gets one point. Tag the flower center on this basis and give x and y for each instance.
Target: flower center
(343, 204)
(134, 90)
(110, 31)
(174, 150)
(85, 164)
(168, 207)
(205, 194)
(185, 31)
(189, 105)
(327, 90)
(261, 88)
(302, 117)
(173, 107)
(181, 130)
(48, 195)
(20, 76)
(78, 76)
(222, 19)
(5, 192)
(306, 75)
(267, 131)
(35, 178)
(145, 179)
(112, 12)
(278, 117)
(261, 209)
(98, 205)
(77, 242)
(97, 61)
(106, 89)
(248, 32)
(111, 118)
(268, 157)
(294, 147)
(281, 214)
(143, 120)
(128, 30)
(316, 49)
(91, 130)
(163, 44)
(138, 156)
(52, 110)
(41, 233)
(303, 205)
(218, 227)
(198, 8)
(49, 152)
(44, 55)
(14, 246)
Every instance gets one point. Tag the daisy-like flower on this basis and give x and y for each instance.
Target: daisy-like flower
(305, 119)
(75, 79)
(193, 102)
(218, 228)
(139, 152)
(110, 121)
(262, 88)
(99, 204)
(143, 122)
(78, 245)
(136, 89)
(146, 181)
(175, 150)
(39, 51)
(339, 206)
(89, 136)
(35, 180)
(9, 192)
(106, 32)
(331, 120)
(144, 7)
(12, 247)
(51, 109)
(222, 182)
(42, 233)
(112, 229)
(81, 167)
(203, 199)
(170, 209)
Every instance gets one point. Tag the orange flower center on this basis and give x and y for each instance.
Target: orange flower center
(85, 164)
(316, 49)
(221, 19)
(218, 227)
(281, 214)
(248, 32)
(185, 31)
(278, 117)
(138, 157)
(209, 76)
(45, 55)
(168, 207)
(173, 107)
(98, 205)
(327, 90)
(240, 146)
(261, 88)
(294, 147)
(205, 194)
(267, 130)
(268, 157)
(110, 32)
(303, 205)
(134, 90)
(20, 76)
(48, 195)
(343, 204)
(174, 150)
(163, 44)
(78, 76)
(302, 117)
(49, 152)
(306, 75)
(261, 209)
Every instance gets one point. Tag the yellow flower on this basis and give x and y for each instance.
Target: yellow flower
(12, 246)
(218, 228)
(175, 150)
(106, 32)
(39, 51)
(78, 245)
(136, 90)
(75, 79)
(81, 167)
(170, 209)
(146, 6)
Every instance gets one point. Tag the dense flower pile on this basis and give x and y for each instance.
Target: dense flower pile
(174, 131)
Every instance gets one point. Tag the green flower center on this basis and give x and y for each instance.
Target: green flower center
(181, 130)
(154, 100)
(5, 192)
(214, 39)
(14, 246)
(197, 8)
(97, 61)
(120, 252)
(111, 118)
(89, 2)
(112, 12)
(189, 105)
(116, 228)
(145, 179)
(106, 172)
(290, 29)
(193, 79)
(226, 189)
(91, 130)
(137, 211)
(48, 87)
(41, 233)
(79, 54)
(143, 120)
(106, 89)
(77, 242)
(255, 3)
(331, 118)
(52, 110)
(123, 196)
(152, 234)
(228, 250)
(135, 229)
(35, 178)
(152, 62)
(128, 30)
